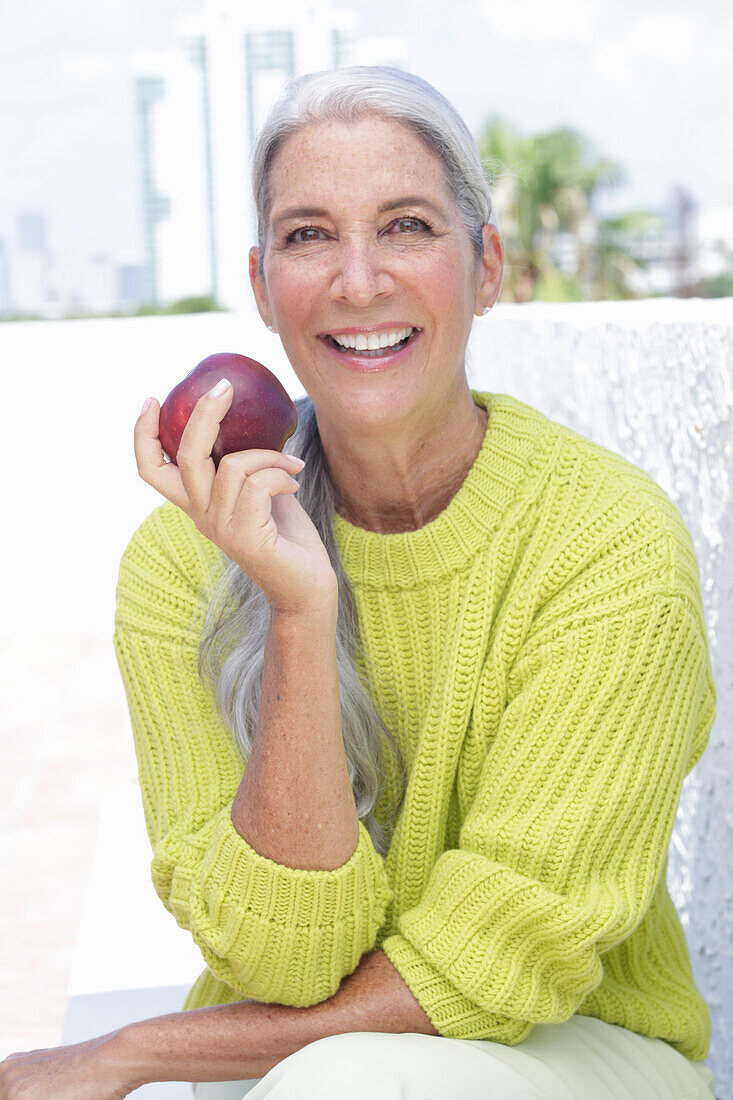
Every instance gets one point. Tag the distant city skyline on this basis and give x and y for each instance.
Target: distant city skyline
(200, 105)
(648, 85)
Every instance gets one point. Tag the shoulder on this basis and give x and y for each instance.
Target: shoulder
(638, 497)
(561, 455)
(603, 525)
(568, 454)
(163, 570)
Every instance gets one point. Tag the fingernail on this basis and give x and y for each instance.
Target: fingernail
(222, 385)
(146, 406)
(299, 461)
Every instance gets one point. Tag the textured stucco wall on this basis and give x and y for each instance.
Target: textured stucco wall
(653, 381)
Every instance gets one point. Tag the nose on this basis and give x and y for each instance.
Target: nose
(360, 274)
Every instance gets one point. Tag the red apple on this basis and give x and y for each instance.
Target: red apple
(261, 414)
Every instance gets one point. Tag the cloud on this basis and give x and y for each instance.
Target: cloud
(532, 23)
(46, 26)
(686, 42)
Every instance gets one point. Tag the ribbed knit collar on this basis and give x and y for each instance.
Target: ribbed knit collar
(511, 453)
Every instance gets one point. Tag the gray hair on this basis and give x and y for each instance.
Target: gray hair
(237, 614)
(350, 94)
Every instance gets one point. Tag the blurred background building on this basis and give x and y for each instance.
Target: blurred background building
(195, 108)
(30, 269)
(200, 105)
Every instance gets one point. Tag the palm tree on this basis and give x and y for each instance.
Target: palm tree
(543, 185)
(617, 240)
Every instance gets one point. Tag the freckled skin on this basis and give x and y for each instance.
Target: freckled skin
(399, 443)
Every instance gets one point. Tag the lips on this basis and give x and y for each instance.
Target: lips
(355, 330)
(367, 352)
(375, 360)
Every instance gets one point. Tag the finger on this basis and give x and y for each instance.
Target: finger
(253, 508)
(234, 470)
(151, 462)
(197, 442)
(254, 459)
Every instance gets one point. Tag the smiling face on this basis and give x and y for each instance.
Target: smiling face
(365, 237)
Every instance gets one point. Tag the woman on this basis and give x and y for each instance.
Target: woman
(466, 667)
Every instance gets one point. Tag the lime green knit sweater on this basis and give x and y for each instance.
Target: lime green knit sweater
(540, 652)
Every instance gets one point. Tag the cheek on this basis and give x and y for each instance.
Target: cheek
(292, 293)
(440, 274)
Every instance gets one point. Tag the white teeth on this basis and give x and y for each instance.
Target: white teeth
(372, 341)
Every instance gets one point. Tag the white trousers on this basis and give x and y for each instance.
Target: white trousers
(580, 1059)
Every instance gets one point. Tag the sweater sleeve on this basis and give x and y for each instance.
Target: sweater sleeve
(271, 932)
(566, 839)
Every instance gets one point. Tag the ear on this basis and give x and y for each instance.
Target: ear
(491, 270)
(259, 287)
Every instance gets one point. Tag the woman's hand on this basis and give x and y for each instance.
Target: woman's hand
(84, 1071)
(246, 507)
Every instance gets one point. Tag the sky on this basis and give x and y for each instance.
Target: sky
(649, 83)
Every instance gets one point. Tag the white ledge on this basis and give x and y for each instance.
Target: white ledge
(640, 311)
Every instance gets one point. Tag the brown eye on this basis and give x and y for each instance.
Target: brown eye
(303, 229)
(410, 221)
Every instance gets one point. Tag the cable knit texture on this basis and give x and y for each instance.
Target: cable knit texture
(539, 650)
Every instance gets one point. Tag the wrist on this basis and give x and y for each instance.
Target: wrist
(121, 1056)
(320, 617)
(229, 1042)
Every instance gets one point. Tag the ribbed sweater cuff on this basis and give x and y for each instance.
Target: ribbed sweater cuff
(289, 896)
(450, 1011)
(272, 932)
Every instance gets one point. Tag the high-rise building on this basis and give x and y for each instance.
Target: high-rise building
(5, 300)
(34, 283)
(131, 286)
(714, 232)
(200, 107)
(149, 91)
(32, 231)
(102, 290)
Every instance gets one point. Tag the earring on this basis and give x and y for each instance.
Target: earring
(271, 328)
(485, 310)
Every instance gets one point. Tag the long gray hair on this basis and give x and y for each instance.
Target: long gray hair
(237, 616)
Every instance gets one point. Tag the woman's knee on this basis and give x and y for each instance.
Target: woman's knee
(356, 1064)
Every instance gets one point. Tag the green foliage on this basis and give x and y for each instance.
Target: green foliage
(201, 304)
(553, 286)
(716, 286)
(23, 317)
(543, 186)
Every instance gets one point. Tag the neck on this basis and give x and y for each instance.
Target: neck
(405, 483)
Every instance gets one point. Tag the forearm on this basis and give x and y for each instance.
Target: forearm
(245, 1040)
(295, 804)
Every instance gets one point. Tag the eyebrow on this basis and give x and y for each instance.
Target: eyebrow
(317, 212)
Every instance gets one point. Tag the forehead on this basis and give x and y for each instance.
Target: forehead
(360, 163)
